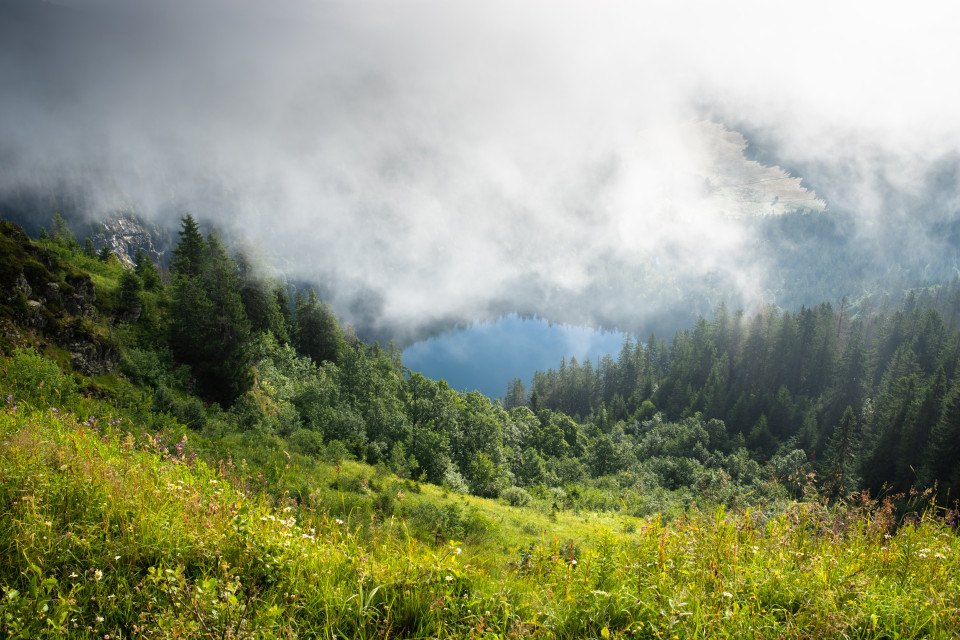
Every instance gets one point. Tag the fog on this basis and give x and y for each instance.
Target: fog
(429, 163)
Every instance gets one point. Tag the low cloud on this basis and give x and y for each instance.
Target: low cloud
(430, 162)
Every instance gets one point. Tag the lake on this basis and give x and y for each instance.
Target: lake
(486, 356)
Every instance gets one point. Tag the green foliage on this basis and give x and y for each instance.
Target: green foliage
(516, 497)
(62, 234)
(106, 254)
(146, 271)
(209, 330)
(130, 298)
(32, 377)
(316, 330)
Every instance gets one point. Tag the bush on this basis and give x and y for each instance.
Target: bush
(31, 376)
(454, 481)
(189, 412)
(516, 497)
(336, 452)
(307, 442)
(143, 366)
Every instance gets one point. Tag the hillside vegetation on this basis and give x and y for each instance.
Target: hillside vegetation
(248, 472)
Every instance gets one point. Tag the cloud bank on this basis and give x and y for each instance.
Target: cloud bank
(434, 162)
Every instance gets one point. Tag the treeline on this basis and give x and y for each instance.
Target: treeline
(871, 396)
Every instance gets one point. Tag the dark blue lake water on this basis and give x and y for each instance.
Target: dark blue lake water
(486, 356)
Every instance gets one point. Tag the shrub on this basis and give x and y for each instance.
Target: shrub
(143, 366)
(35, 378)
(307, 442)
(516, 497)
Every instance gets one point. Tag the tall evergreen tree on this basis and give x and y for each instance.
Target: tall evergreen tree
(88, 249)
(942, 456)
(209, 327)
(516, 395)
(842, 455)
(317, 331)
(147, 271)
(131, 296)
(61, 232)
(190, 253)
(916, 432)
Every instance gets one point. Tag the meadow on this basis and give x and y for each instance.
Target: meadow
(112, 531)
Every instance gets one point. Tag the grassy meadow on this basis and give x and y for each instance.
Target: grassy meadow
(109, 531)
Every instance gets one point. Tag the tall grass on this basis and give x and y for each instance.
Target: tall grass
(109, 533)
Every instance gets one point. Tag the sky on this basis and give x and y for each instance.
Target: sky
(434, 162)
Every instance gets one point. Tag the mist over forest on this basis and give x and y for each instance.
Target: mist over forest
(429, 164)
(696, 267)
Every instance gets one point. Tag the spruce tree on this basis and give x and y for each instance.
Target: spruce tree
(61, 232)
(842, 455)
(131, 297)
(190, 253)
(209, 330)
(317, 331)
(146, 270)
(88, 248)
(942, 455)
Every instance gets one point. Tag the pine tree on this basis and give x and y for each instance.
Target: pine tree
(317, 331)
(841, 455)
(916, 432)
(228, 329)
(209, 329)
(516, 395)
(131, 296)
(61, 232)
(942, 455)
(88, 249)
(190, 254)
(146, 270)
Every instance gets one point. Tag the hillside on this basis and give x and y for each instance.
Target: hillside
(135, 507)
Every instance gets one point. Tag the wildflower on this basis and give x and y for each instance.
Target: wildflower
(73, 574)
(456, 551)
(449, 578)
(48, 523)
(97, 574)
(338, 521)
(116, 557)
(99, 618)
(727, 594)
